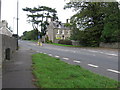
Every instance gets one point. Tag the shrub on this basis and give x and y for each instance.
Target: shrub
(66, 42)
(47, 39)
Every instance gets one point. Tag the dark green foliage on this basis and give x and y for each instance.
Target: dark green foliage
(66, 42)
(47, 39)
(30, 35)
(111, 31)
(95, 22)
(39, 17)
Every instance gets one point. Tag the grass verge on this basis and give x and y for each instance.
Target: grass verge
(64, 45)
(53, 73)
(34, 40)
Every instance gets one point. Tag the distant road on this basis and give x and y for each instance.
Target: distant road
(101, 61)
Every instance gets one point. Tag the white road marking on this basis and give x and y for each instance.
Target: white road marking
(101, 52)
(50, 54)
(76, 61)
(45, 53)
(37, 51)
(66, 58)
(92, 65)
(74, 51)
(92, 51)
(104, 53)
(111, 54)
(94, 55)
(57, 56)
(115, 71)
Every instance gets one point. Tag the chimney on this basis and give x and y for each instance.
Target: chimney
(67, 20)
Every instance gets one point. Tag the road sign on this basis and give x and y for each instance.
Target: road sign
(38, 37)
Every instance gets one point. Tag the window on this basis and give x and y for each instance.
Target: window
(58, 32)
(68, 31)
(63, 32)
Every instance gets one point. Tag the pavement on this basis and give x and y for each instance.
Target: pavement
(17, 72)
(0, 76)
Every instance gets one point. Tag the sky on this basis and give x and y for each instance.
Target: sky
(9, 12)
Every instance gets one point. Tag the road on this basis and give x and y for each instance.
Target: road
(101, 61)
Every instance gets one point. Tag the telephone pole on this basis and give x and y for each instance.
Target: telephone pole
(0, 10)
(17, 22)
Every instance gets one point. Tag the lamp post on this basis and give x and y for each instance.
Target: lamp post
(17, 22)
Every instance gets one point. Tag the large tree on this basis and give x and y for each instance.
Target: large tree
(91, 16)
(111, 30)
(38, 16)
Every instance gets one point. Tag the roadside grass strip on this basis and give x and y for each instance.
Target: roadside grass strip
(63, 45)
(51, 72)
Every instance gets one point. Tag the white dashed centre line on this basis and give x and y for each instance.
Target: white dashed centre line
(37, 51)
(115, 71)
(66, 58)
(91, 65)
(50, 54)
(112, 54)
(76, 61)
(57, 56)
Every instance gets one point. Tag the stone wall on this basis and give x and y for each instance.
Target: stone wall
(75, 43)
(7, 43)
(110, 45)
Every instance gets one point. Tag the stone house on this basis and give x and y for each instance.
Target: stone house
(57, 31)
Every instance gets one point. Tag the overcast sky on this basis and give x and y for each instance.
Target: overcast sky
(9, 12)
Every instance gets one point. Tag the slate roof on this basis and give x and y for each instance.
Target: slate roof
(60, 25)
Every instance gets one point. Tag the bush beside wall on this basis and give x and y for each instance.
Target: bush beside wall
(66, 42)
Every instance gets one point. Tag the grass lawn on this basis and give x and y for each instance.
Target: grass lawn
(51, 72)
(34, 40)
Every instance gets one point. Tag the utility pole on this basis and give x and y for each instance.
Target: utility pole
(17, 22)
(0, 10)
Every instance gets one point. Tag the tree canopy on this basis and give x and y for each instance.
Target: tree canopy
(38, 16)
(94, 22)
